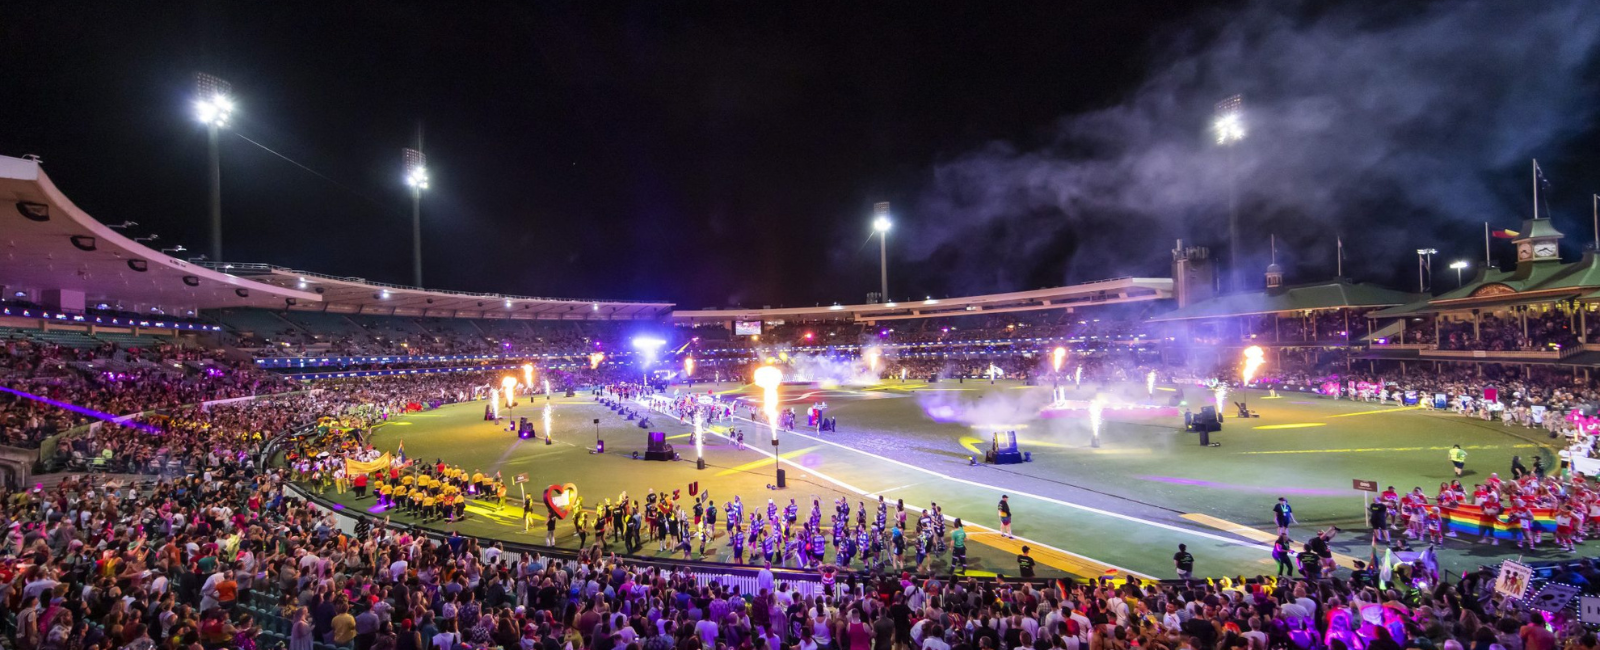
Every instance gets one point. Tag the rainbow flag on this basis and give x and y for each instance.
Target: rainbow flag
(1467, 520)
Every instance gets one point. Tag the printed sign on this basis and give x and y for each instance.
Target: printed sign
(1364, 486)
(1513, 580)
(1589, 610)
(1553, 597)
(522, 478)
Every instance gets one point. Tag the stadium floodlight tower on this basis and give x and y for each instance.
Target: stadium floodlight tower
(1229, 128)
(417, 180)
(881, 225)
(1424, 266)
(1458, 265)
(213, 106)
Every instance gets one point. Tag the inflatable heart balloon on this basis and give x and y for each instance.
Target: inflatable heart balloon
(558, 498)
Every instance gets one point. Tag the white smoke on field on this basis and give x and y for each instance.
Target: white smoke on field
(1375, 120)
(839, 370)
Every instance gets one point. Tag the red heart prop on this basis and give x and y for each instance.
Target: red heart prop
(556, 498)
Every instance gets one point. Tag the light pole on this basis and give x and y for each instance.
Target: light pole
(881, 225)
(1230, 130)
(1424, 265)
(213, 107)
(1458, 265)
(417, 180)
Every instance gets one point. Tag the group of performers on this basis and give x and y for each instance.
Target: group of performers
(776, 535)
(1568, 506)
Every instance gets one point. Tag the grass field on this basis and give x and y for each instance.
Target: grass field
(1123, 506)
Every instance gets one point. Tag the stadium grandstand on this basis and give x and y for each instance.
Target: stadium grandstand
(153, 389)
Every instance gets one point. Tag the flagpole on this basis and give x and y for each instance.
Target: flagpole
(1340, 255)
(1535, 188)
(1597, 222)
(1487, 262)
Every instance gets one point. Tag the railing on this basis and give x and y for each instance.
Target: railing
(256, 268)
(1510, 355)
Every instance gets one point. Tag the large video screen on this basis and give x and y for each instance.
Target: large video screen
(747, 328)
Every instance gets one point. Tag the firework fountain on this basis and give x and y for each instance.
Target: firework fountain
(547, 423)
(1253, 358)
(1097, 408)
(699, 438)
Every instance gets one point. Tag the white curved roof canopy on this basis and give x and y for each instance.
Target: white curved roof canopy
(48, 244)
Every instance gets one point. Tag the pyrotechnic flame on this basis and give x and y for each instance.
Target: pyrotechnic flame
(510, 384)
(1056, 357)
(595, 359)
(527, 375)
(769, 378)
(1253, 359)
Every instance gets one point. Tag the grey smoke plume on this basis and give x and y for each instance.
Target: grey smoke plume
(1367, 120)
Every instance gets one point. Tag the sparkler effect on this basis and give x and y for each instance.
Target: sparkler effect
(1077, 377)
(1150, 383)
(1057, 356)
(699, 433)
(1097, 408)
(769, 378)
(546, 388)
(494, 402)
(547, 422)
(873, 354)
(1221, 394)
(1253, 358)
(595, 359)
(510, 384)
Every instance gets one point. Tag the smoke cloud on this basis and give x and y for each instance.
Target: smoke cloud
(1365, 120)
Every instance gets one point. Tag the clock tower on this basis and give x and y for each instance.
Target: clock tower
(1538, 243)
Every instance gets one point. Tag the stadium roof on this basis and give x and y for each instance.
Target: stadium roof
(347, 295)
(1336, 294)
(51, 245)
(1088, 294)
(1532, 281)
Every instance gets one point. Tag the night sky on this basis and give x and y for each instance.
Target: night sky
(729, 153)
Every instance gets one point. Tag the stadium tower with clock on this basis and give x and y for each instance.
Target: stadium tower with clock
(1539, 242)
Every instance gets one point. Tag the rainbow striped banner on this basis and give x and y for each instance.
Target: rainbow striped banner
(1468, 520)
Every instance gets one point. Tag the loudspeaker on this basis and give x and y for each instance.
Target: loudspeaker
(783, 478)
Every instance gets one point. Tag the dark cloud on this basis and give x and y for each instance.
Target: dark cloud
(1386, 128)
